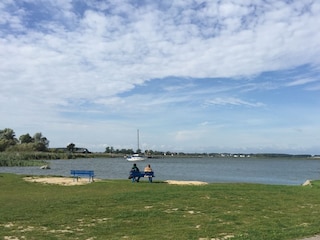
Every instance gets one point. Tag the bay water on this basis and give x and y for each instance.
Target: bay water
(213, 170)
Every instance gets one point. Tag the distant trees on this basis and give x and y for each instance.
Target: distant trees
(25, 138)
(7, 134)
(130, 151)
(118, 151)
(7, 138)
(41, 143)
(71, 147)
(109, 150)
(9, 142)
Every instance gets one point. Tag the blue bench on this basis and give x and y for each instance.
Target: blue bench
(78, 173)
(135, 174)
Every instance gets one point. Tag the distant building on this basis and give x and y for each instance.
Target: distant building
(75, 150)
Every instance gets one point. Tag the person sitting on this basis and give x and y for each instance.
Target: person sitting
(135, 169)
(148, 169)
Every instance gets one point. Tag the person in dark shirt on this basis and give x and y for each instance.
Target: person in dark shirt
(135, 169)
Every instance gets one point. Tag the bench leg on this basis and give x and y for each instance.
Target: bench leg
(150, 179)
(135, 179)
(75, 177)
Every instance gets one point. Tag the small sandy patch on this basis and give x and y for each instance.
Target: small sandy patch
(186, 182)
(65, 181)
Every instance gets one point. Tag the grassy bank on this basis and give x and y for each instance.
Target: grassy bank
(9, 159)
(118, 209)
(21, 159)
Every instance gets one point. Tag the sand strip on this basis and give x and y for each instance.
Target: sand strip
(64, 181)
(186, 182)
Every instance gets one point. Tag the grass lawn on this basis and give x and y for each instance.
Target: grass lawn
(119, 209)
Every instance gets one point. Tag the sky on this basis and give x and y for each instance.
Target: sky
(238, 76)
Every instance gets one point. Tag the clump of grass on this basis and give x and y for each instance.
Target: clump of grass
(21, 159)
(118, 209)
(32, 158)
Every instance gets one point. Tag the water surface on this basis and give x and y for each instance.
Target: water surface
(240, 170)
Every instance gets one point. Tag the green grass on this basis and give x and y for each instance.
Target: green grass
(33, 158)
(119, 209)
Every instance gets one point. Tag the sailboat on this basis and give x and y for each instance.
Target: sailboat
(136, 157)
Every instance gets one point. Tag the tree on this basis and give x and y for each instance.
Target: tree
(7, 134)
(7, 138)
(41, 143)
(25, 138)
(3, 145)
(71, 147)
(109, 150)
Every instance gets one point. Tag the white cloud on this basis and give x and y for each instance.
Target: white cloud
(302, 81)
(58, 56)
(109, 44)
(232, 101)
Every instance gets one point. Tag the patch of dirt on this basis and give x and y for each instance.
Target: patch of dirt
(64, 181)
(198, 183)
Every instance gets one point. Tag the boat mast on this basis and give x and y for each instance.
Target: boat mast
(138, 139)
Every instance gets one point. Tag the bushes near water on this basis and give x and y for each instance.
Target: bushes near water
(23, 159)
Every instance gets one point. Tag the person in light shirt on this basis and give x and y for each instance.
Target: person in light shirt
(148, 168)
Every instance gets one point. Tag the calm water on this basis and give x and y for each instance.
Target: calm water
(249, 170)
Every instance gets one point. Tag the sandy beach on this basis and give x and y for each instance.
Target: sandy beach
(64, 181)
(185, 182)
(67, 181)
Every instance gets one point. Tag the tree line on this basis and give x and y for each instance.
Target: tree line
(26, 142)
(148, 152)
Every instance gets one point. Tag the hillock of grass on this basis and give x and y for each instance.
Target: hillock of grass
(119, 209)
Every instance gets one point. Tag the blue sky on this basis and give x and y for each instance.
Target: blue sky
(192, 76)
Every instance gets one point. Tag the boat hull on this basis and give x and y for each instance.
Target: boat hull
(135, 158)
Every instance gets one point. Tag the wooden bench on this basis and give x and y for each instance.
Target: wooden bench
(135, 174)
(78, 173)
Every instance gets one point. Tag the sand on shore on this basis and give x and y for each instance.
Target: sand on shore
(186, 182)
(64, 181)
(68, 181)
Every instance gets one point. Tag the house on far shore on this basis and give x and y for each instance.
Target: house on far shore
(81, 150)
(74, 150)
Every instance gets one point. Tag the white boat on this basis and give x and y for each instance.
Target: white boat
(136, 157)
